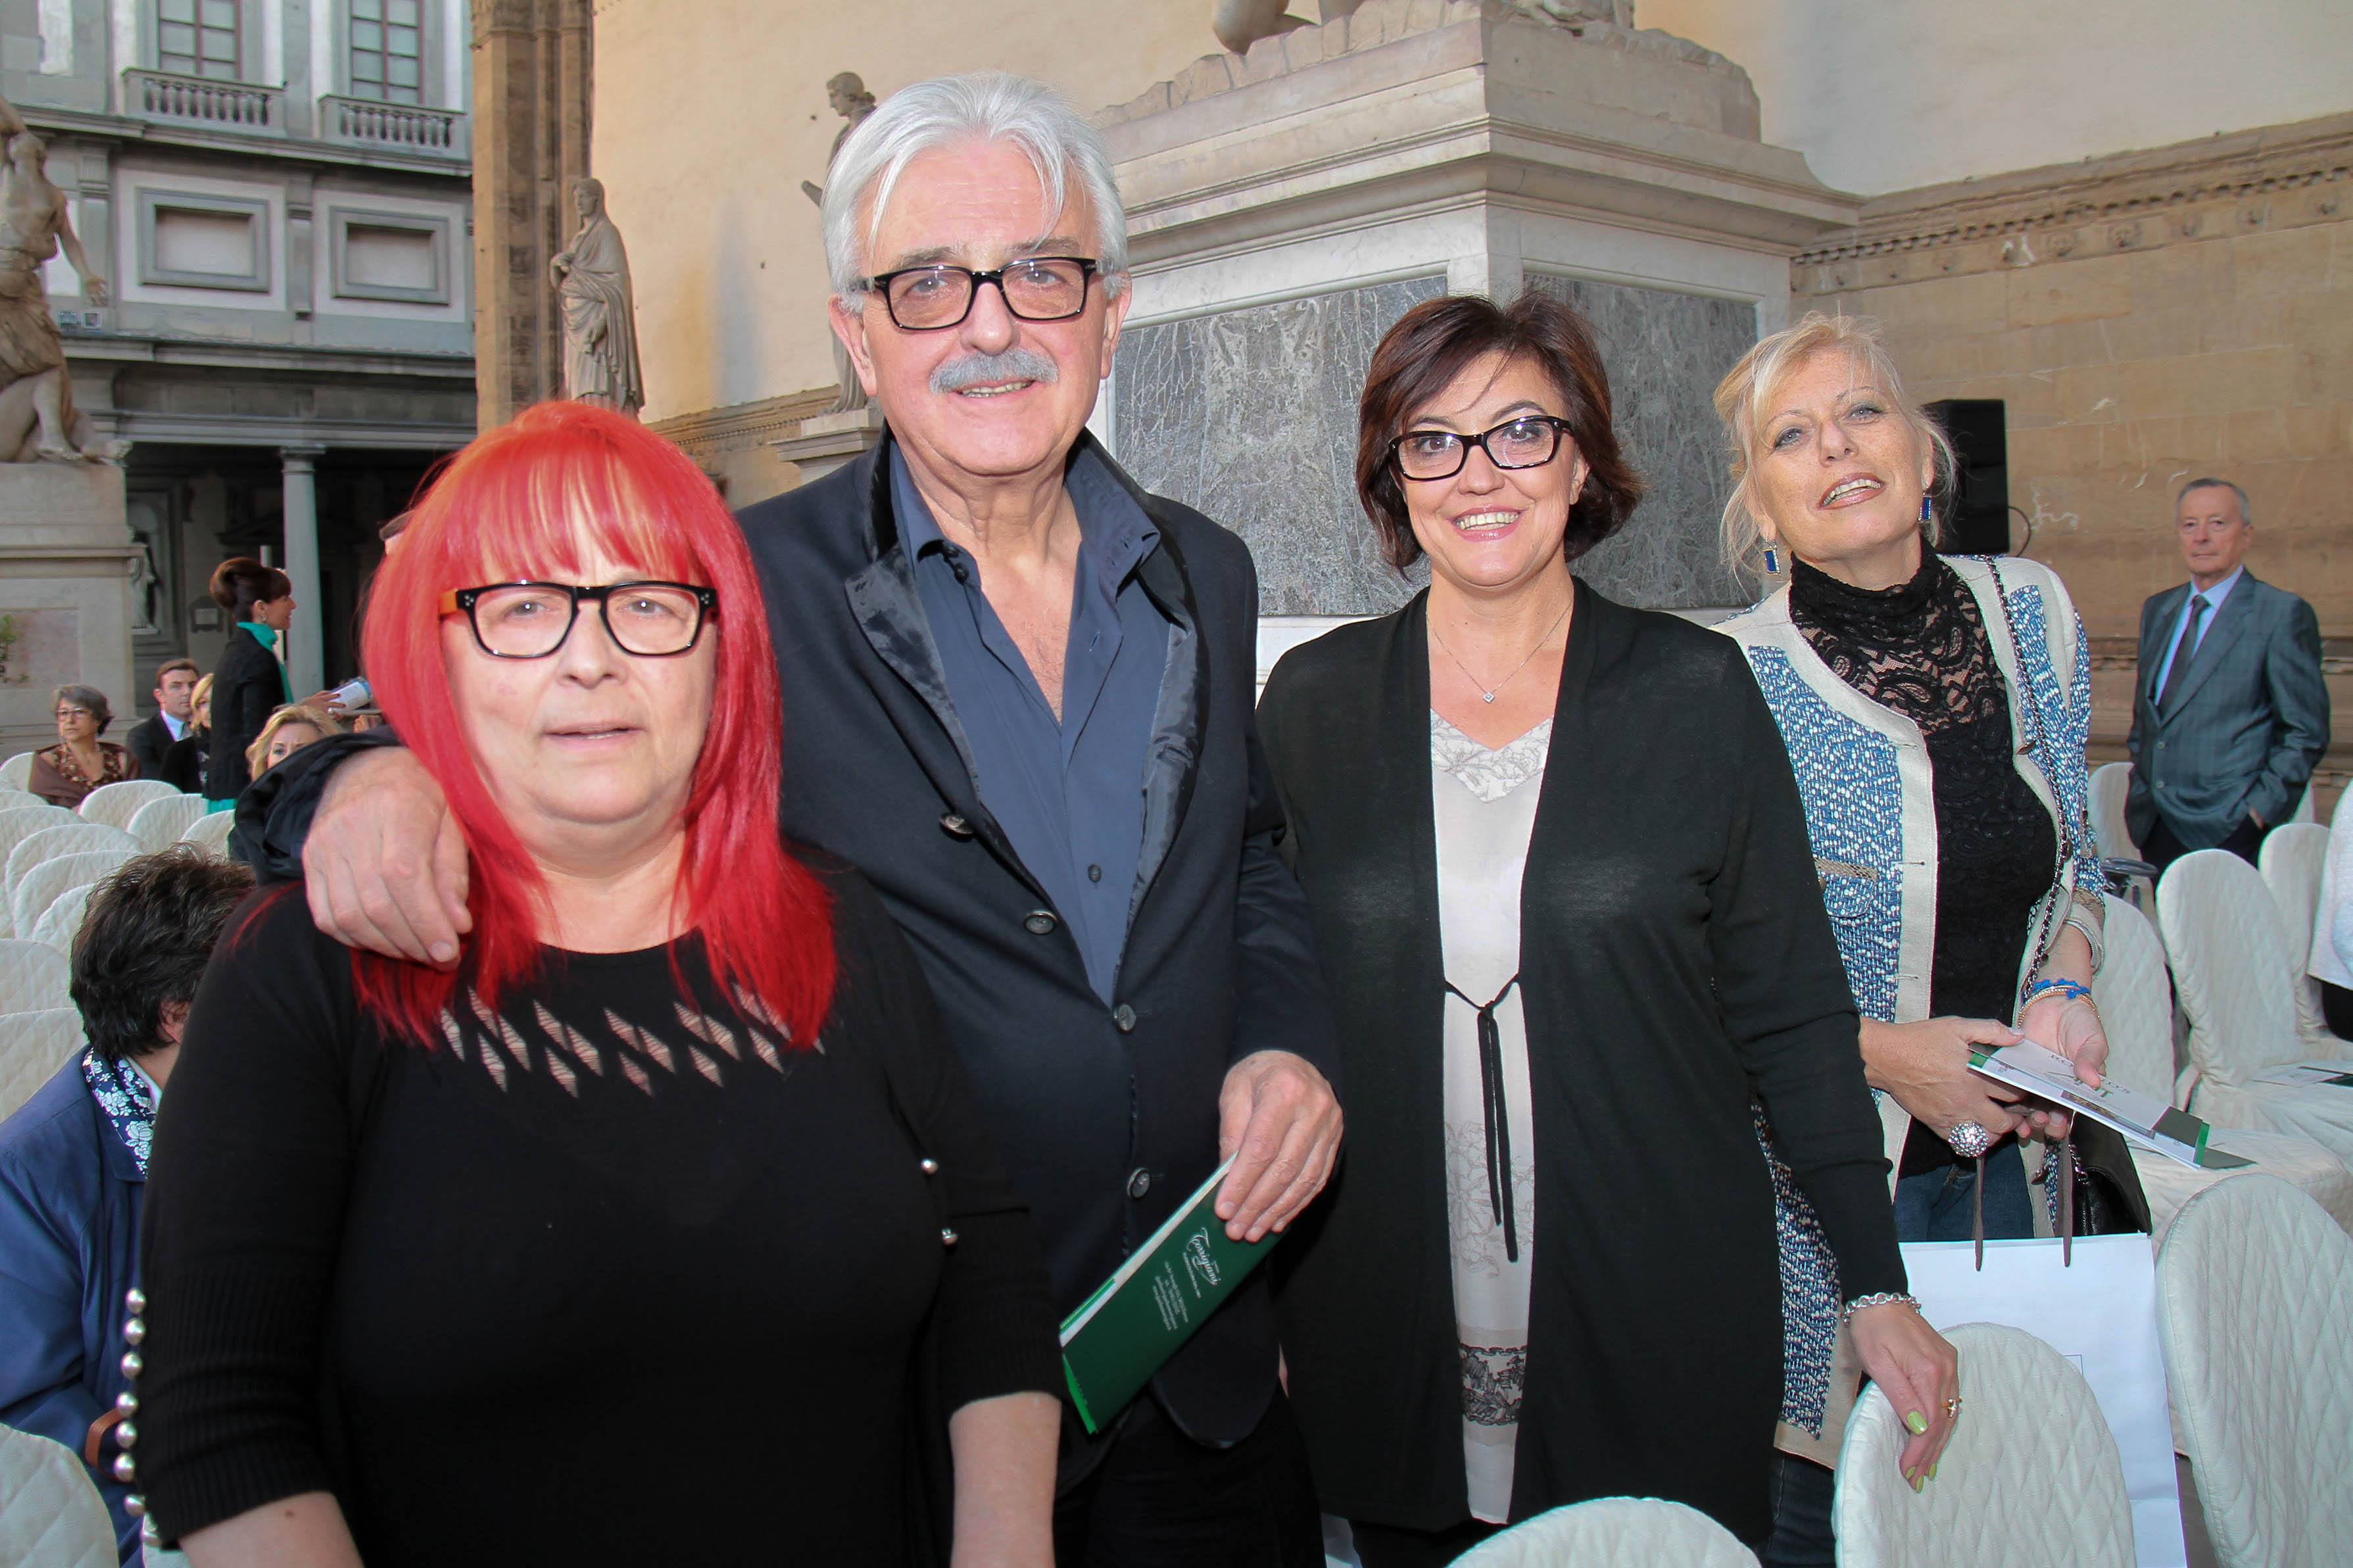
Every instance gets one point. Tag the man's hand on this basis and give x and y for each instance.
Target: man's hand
(1280, 1121)
(384, 866)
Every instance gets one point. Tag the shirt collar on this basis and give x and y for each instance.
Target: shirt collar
(175, 728)
(1114, 533)
(2220, 591)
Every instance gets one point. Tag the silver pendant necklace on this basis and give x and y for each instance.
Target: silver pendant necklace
(1485, 695)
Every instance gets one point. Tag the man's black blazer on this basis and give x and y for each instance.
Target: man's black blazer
(1106, 1114)
(149, 739)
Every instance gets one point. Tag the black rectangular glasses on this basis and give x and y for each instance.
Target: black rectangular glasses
(1035, 289)
(1528, 442)
(530, 620)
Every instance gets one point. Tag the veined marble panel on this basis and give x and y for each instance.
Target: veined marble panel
(1250, 417)
(1665, 352)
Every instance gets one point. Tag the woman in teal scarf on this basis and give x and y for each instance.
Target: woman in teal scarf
(249, 683)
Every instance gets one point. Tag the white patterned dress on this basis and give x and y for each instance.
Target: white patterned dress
(1485, 808)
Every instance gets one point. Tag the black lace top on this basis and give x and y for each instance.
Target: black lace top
(1921, 650)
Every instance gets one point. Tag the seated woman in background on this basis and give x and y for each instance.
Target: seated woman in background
(183, 759)
(292, 727)
(249, 683)
(1560, 885)
(65, 774)
(1935, 709)
(653, 1200)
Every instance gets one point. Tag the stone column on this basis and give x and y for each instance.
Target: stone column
(532, 69)
(305, 661)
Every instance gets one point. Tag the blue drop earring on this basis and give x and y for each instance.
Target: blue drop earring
(1772, 561)
(1926, 510)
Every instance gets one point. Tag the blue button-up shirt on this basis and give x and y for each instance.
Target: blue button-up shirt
(2214, 597)
(1069, 793)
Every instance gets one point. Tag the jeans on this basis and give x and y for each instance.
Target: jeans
(1803, 1492)
(1159, 1500)
(1935, 1205)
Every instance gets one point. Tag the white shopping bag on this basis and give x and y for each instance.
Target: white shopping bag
(2101, 1314)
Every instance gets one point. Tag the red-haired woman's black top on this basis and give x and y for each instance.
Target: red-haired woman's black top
(612, 1273)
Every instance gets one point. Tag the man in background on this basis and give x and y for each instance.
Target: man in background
(2230, 713)
(73, 1160)
(175, 694)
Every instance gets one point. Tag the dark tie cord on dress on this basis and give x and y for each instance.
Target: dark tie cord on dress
(1499, 1126)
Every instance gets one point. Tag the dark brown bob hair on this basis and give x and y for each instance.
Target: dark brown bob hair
(1439, 340)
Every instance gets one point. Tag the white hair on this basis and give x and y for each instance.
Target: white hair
(984, 106)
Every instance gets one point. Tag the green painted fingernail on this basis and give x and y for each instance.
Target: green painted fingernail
(1932, 1469)
(1917, 1421)
(1917, 1481)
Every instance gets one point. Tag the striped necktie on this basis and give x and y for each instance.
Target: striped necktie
(2188, 646)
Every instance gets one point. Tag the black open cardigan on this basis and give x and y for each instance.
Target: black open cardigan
(1675, 959)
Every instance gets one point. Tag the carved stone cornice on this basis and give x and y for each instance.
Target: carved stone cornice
(740, 425)
(2282, 177)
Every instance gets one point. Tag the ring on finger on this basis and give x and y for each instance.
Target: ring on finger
(1953, 1408)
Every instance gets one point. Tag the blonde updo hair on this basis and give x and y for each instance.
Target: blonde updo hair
(1745, 394)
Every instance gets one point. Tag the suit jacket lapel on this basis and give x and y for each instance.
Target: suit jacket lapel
(1171, 763)
(2230, 622)
(2153, 639)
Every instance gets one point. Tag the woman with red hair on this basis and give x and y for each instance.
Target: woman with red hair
(666, 1215)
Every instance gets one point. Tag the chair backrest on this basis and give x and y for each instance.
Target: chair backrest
(19, 823)
(33, 1046)
(116, 804)
(70, 836)
(50, 1514)
(2134, 995)
(1613, 1532)
(160, 823)
(33, 977)
(2252, 1287)
(2230, 967)
(61, 921)
(2111, 782)
(2031, 1474)
(40, 885)
(2293, 857)
(16, 771)
(210, 832)
(12, 798)
(2304, 809)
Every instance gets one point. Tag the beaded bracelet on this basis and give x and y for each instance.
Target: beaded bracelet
(1878, 1298)
(2074, 990)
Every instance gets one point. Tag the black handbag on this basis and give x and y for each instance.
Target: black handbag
(2107, 1198)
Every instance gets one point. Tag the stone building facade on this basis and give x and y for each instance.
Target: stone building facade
(278, 193)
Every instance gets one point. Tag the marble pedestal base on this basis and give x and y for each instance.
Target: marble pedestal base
(66, 553)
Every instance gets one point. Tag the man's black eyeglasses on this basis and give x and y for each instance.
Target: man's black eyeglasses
(1528, 442)
(1035, 288)
(530, 620)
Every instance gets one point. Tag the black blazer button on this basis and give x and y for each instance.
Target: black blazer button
(1124, 1017)
(1139, 1181)
(1041, 922)
(956, 826)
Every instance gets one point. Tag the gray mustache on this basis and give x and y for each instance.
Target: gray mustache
(1016, 364)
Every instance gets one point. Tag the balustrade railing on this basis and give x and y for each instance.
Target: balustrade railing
(199, 100)
(368, 123)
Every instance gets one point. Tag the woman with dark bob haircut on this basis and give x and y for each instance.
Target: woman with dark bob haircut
(667, 1210)
(1570, 995)
(249, 682)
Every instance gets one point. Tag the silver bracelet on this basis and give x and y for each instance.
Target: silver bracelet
(1878, 1298)
(2093, 937)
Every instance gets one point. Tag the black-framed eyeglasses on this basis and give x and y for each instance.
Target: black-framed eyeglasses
(1035, 288)
(1528, 442)
(530, 620)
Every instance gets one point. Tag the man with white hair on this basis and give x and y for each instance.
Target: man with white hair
(1018, 696)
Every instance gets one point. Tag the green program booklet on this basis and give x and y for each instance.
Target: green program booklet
(1151, 1303)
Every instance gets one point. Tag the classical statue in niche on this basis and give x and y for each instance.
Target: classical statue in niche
(846, 92)
(600, 325)
(38, 419)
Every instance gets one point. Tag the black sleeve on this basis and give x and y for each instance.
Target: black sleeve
(146, 743)
(244, 1215)
(1786, 1002)
(995, 1309)
(274, 813)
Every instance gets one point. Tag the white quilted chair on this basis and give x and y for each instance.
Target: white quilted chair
(70, 836)
(2293, 857)
(33, 977)
(51, 1516)
(2252, 1287)
(16, 771)
(2031, 1474)
(160, 823)
(2110, 783)
(19, 823)
(2231, 974)
(12, 798)
(1613, 1532)
(210, 833)
(116, 804)
(41, 885)
(61, 921)
(33, 1046)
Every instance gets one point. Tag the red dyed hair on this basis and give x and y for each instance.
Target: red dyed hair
(520, 503)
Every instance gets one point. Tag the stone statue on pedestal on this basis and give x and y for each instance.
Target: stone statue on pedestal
(600, 326)
(846, 92)
(38, 419)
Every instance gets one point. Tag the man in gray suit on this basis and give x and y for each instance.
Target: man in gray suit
(2229, 712)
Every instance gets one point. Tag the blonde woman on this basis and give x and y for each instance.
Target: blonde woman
(1935, 710)
(286, 731)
